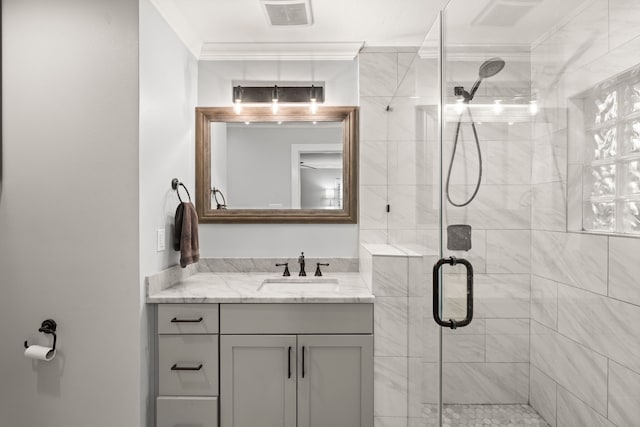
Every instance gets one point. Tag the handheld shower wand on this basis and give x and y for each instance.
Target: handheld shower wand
(489, 68)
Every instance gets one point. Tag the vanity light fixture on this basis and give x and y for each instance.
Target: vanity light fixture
(275, 97)
(237, 99)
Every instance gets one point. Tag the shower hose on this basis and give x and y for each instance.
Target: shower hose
(453, 157)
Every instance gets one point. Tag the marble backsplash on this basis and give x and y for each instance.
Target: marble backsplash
(166, 278)
(257, 265)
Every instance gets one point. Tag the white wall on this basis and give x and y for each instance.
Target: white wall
(269, 240)
(168, 79)
(69, 212)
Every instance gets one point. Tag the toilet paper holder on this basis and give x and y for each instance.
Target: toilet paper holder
(49, 326)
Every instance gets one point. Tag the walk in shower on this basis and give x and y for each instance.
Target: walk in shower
(511, 149)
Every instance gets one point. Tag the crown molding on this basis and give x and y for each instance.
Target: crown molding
(279, 51)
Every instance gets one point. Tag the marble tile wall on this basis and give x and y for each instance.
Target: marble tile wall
(585, 292)
(487, 362)
(397, 277)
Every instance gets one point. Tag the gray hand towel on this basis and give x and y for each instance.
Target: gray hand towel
(186, 234)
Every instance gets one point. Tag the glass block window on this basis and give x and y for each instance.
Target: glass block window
(611, 170)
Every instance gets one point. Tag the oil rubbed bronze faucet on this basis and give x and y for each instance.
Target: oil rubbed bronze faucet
(301, 262)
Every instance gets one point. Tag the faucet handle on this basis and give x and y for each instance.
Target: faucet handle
(318, 264)
(286, 268)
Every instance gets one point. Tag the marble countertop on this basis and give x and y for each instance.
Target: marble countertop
(243, 288)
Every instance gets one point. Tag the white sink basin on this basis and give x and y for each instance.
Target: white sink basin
(300, 284)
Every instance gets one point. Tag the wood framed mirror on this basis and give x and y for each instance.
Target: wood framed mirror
(286, 167)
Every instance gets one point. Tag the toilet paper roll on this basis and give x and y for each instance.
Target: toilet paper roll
(39, 352)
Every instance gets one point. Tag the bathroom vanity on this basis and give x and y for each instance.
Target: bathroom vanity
(256, 349)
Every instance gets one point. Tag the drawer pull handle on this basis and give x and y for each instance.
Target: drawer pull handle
(175, 367)
(176, 320)
(302, 361)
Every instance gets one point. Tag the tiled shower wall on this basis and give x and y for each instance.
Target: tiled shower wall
(585, 310)
(487, 362)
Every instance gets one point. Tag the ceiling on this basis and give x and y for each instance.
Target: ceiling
(239, 29)
(229, 29)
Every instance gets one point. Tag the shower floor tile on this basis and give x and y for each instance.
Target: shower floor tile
(484, 415)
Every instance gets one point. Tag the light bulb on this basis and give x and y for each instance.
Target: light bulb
(533, 108)
(237, 99)
(275, 97)
(498, 108)
(313, 100)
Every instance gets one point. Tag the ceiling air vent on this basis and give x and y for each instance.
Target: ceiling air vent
(288, 12)
(504, 13)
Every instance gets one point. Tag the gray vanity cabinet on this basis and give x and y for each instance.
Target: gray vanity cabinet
(258, 380)
(296, 365)
(337, 386)
(266, 379)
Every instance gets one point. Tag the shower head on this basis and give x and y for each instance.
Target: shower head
(490, 68)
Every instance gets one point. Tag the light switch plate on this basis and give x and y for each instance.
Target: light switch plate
(160, 239)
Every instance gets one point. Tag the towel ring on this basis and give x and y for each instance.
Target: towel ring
(174, 184)
(214, 193)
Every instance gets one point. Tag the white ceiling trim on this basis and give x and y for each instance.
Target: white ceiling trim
(279, 51)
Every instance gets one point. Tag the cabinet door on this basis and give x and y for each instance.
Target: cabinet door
(335, 380)
(258, 380)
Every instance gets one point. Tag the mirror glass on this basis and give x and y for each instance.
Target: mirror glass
(277, 165)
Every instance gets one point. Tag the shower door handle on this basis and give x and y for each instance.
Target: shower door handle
(453, 324)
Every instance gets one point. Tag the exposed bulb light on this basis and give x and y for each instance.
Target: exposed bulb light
(533, 108)
(498, 108)
(237, 99)
(275, 97)
(313, 100)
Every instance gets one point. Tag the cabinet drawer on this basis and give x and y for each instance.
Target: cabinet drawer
(296, 318)
(187, 411)
(188, 318)
(188, 365)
